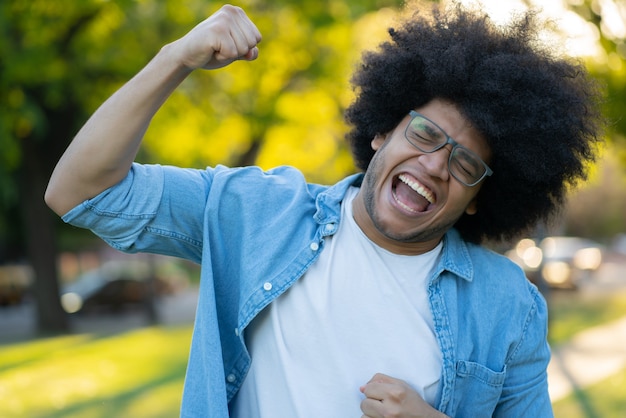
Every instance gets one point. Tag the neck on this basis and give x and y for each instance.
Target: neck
(384, 240)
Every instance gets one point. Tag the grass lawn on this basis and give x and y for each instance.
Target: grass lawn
(134, 374)
(603, 400)
(140, 373)
(572, 312)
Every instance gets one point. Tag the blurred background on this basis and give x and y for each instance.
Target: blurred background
(88, 332)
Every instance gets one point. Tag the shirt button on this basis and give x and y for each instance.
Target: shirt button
(237, 332)
(314, 246)
(329, 227)
(267, 286)
(231, 378)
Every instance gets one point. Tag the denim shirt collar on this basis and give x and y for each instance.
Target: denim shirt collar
(455, 256)
(328, 203)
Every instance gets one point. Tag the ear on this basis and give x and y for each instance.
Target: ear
(471, 209)
(378, 141)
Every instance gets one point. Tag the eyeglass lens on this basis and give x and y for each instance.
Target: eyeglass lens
(463, 164)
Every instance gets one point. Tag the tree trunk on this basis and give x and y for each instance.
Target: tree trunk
(41, 245)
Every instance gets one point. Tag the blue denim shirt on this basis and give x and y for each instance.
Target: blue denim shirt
(255, 233)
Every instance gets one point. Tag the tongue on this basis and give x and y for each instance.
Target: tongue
(409, 197)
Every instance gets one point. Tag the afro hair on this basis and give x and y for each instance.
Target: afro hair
(538, 112)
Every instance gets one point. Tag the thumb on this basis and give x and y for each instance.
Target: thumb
(251, 55)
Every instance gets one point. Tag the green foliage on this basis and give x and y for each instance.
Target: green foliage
(609, 65)
(62, 59)
(284, 108)
(55, 65)
(74, 54)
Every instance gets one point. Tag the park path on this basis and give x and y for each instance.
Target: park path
(589, 357)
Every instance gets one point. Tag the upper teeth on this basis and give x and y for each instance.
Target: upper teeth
(419, 189)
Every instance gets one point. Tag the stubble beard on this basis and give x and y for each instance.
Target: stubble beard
(369, 200)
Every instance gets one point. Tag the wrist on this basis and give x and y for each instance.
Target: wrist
(171, 57)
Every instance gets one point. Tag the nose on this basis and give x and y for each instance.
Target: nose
(436, 163)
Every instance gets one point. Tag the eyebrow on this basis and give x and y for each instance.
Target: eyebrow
(429, 128)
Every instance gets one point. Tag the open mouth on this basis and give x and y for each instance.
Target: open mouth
(411, 195)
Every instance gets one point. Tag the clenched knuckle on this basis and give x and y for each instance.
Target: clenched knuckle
(232, 9)
(397, 394)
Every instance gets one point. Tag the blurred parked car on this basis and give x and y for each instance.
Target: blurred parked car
(114, 286)
(15, 282)
(564, 262)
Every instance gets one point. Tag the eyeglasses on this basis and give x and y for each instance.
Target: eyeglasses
(463, 164)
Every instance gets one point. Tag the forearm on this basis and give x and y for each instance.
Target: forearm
(103, 150)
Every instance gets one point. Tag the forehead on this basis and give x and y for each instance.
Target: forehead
(447, 116)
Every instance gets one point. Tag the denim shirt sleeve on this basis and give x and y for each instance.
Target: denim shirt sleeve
(157, 209)
(492, 326)
(525, 390)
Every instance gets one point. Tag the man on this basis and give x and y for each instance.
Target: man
(370, 297)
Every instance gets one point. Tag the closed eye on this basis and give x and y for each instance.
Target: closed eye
(467, 162)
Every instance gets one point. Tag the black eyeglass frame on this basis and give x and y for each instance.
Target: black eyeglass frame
(455, 145)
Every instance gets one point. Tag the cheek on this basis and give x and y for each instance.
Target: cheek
(461, 198)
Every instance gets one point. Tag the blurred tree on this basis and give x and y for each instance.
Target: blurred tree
(598, 210)
(605, 22)
(40, 107)
(61, 59)
(284, 108)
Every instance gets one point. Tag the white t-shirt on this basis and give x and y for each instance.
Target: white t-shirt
(358, 311)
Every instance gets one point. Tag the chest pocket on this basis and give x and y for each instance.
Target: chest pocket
(477, 389)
